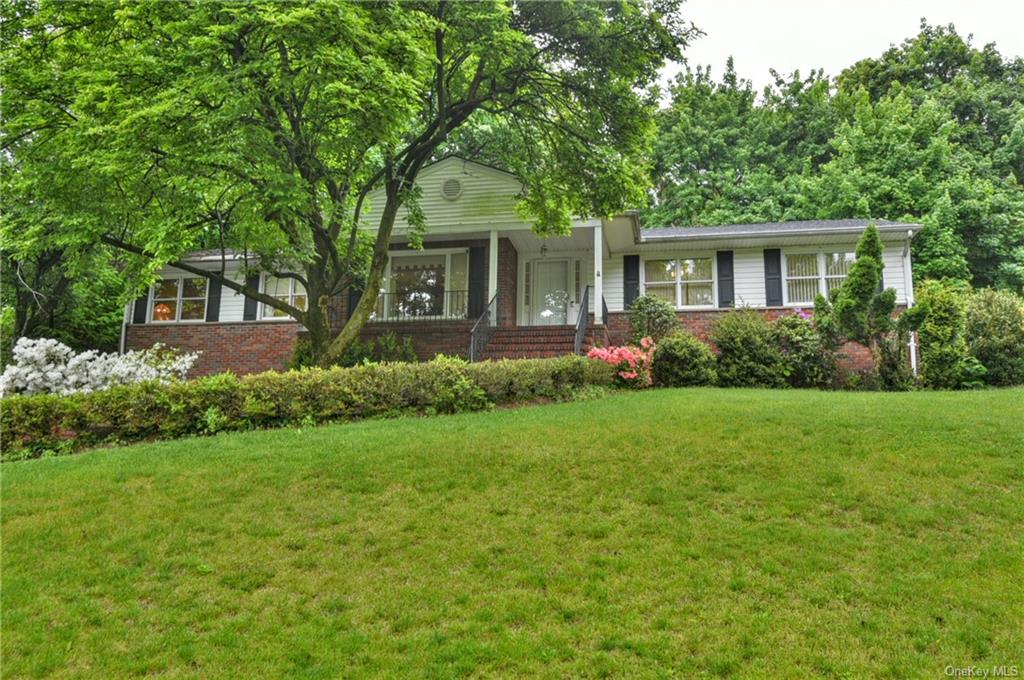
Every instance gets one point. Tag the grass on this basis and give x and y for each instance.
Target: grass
(658, 534)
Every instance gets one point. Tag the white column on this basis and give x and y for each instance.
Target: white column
(598, 264)
(492, 268)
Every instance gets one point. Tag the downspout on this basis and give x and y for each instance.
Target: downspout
(908, 282)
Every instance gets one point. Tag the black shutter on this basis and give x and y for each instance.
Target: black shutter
(354, 294)
(139, 313)
(726, 279)
(773, 277)
(249, 313)
(630, 279)
(477, 281)
(213, 301)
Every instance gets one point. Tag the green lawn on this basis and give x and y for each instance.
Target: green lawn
(657, 534)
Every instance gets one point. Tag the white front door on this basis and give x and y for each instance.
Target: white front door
(550, 302)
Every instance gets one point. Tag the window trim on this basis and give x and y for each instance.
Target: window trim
(291, 296)
(679, 282)
(447, 252)
(820, 253)
(178, 299)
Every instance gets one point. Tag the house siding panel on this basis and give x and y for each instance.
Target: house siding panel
(748, 268)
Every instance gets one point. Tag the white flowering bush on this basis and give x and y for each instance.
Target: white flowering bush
(47, 366)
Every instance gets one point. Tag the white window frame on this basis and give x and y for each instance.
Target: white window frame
(447, 252)
(822, 287)
(260, 316)
(178, 300)
(679, 281)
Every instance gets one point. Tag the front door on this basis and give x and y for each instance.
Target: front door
(550, 302)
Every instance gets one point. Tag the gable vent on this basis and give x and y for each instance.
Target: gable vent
(451, 188)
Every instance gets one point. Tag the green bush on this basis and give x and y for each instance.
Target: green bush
(43, 424)
(386, 348)
(651, 317)
(748, 353)
(995, 334)
(941, 320)
(681, 360)
(810, 359)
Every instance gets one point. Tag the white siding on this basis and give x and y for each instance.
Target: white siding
(748, 268)
(892, 272)
(488, 199)
(612, 284)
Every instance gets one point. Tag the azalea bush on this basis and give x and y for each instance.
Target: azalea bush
(47, 366)
(632, 364)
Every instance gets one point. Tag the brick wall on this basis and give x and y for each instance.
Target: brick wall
(508, 274)
(429, 338)
(240, 347)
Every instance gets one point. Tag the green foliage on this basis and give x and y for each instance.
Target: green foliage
(37, 425)
(995, 335)
(941, 319)
(651, 317)
(932, 131)
(809, 355)
(748, 355)
(384, 348)
(681, 360)
(156, 128)
(862, 312)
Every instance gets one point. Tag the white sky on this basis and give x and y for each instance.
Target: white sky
(832, 34)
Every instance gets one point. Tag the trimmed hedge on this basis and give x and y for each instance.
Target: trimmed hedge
(52, 424)
(681, 360)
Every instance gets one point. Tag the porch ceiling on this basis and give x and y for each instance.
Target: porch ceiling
(582, 238)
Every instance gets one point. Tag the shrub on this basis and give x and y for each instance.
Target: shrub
(810, 359)
(632, 365)
(995, 334)
(651, 317)
(46, 366)
(941, 320)
(35, 425)
(386, 348)
(748, 354)
(681, 360)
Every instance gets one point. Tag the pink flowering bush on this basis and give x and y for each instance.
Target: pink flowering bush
(632, 364)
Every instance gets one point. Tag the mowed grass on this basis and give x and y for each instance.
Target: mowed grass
(657, 534)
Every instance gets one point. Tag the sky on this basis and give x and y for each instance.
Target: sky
(802, 34)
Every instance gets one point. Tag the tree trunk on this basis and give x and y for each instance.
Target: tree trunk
(358, 317)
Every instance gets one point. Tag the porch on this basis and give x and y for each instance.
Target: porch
(500, 293)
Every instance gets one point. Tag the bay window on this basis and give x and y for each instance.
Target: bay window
(683, 282)
(285, 289)
(808, 274)
(425, 285)
(179, 299)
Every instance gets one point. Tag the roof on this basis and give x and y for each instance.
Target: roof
(794, 228)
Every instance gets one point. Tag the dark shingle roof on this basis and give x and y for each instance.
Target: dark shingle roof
(767, 228)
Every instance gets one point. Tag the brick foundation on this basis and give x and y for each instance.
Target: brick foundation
(429, 338)
(239, 347)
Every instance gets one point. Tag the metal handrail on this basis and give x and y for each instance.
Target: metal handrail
(581, 320)
(604, 311)
(483, 329)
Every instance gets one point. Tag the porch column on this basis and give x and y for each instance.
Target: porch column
(598, 263)
(492, 268)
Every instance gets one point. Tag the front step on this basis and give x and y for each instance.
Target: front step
(530, 342)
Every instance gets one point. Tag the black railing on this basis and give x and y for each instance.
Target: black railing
(483, 329)
(604, 311)
(421, 305)
(581, 320)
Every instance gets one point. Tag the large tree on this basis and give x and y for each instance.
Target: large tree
(155, 128)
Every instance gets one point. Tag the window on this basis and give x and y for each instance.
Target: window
(808, 274)
(285, 289)
(180, 299)
(687, 282)
(424, 285)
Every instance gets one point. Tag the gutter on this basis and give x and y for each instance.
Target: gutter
(124, 328)
(770, 234)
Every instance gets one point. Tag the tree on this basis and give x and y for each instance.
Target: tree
(156, 128)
